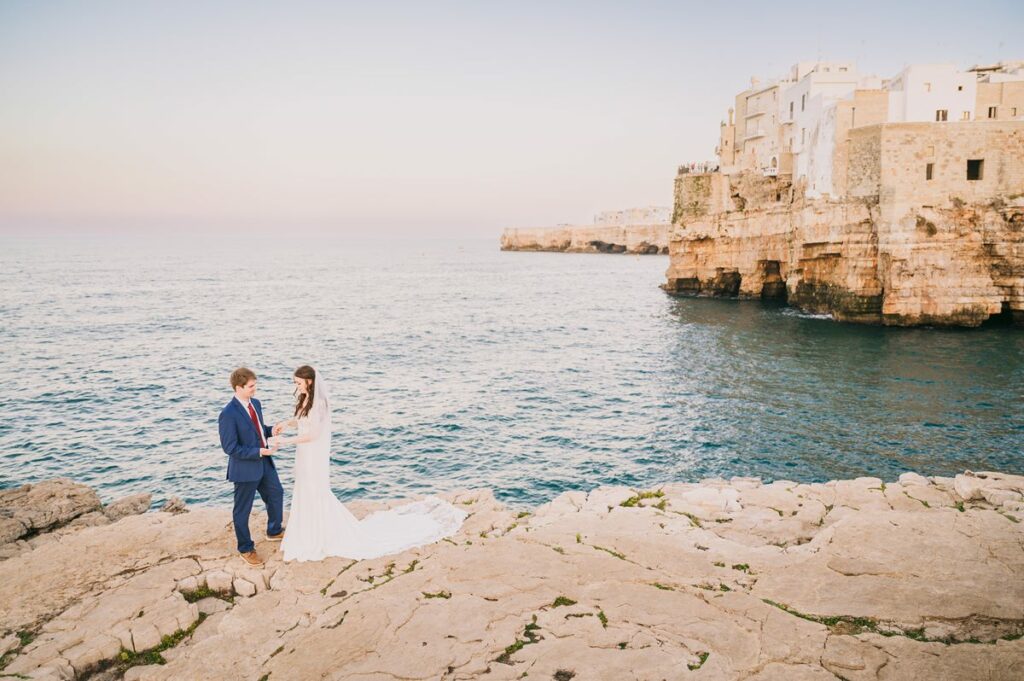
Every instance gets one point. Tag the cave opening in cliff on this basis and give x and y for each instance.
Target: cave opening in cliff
(1005, 317)
(773, 286)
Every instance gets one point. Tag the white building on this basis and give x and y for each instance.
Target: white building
(797, 125)
(805, 107)
(932, 92)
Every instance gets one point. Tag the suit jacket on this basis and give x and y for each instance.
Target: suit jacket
(241, 441)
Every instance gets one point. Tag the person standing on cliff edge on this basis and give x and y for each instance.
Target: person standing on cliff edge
(243, 437)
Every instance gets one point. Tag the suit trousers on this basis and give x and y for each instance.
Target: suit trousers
(272, 493)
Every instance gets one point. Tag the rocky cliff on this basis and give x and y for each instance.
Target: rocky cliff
(911, 242)
(639, 239)
(726, 579)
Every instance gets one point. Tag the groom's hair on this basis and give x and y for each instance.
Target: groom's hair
(241, 376)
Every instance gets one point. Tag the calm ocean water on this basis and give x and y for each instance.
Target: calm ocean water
(456, 365)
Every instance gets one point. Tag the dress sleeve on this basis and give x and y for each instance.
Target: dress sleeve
(316, 424)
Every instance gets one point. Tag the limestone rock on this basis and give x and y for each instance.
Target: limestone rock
(191, 583)
(640, 239)
(91, 652)
(211, 605)
(244, 587)
(968, 487)
(220, 581)
(1001, 497)
(126, 506)
(909, 479)
(43, 506)
(174, 505)
(138, 673)
(8, 643)
(778, 581)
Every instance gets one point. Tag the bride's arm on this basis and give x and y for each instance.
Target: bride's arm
(317, 425)
(282, 426)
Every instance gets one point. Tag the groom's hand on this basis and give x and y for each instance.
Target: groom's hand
(278, 427)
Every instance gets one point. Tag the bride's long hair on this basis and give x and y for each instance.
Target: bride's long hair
(305, 402)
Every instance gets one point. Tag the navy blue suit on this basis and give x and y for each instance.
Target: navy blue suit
(249, 471)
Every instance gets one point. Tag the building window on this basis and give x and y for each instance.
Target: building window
(803, 135)
(975, 169)
(959, 88)
(928, 170)
(803, 102)
(1013, 111)
(842, 68)
(965, 116)
(853, 117)
(992, 112)
(927, 87)
(791, 110)
(941, 115)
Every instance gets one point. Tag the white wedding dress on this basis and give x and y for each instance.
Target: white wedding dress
(320, 526)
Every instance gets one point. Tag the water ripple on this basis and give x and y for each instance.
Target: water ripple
(530, 373)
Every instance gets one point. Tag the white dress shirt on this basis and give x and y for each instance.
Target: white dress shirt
(245, 405)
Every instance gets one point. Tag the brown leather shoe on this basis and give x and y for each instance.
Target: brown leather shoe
(252, 558)
(276, 537)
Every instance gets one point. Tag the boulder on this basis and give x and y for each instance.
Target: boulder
(126, 506)
(908, 479)
(174, 505)
(244, 587)
(220, 581)
(43, 506)
(969, 487)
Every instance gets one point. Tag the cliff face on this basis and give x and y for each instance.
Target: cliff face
(633, 238)
(898, 249)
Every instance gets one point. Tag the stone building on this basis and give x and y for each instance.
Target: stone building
(796, 126)
(1000, 92)
(821, 171)
(770, 123)
(886, 216)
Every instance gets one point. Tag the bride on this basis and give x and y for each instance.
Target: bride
(318, 524)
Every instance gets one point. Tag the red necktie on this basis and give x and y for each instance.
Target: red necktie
(256, 422)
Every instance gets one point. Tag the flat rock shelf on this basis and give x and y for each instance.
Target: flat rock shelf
(723, 579)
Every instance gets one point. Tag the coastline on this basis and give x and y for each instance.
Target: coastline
(632, 239)
(726, 578)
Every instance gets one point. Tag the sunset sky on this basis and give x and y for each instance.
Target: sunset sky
(438, 118)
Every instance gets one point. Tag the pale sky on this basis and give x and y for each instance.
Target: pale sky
(438, 118)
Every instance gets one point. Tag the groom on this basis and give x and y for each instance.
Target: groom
(243, 437)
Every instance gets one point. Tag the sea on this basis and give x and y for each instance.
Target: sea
(455, 365)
